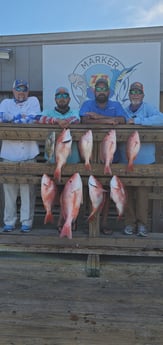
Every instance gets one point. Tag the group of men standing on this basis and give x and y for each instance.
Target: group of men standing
(102, 110)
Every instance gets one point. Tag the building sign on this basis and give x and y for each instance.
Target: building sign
(78, 66)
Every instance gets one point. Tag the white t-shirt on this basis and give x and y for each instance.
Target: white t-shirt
(15, 150)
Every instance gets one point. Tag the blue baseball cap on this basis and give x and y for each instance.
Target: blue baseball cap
(20, 82)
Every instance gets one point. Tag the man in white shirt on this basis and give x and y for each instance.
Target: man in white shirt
(17, 151)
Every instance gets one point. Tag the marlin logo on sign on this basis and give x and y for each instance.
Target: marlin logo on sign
(96, 66)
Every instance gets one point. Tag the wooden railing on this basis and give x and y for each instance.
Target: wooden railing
(143, 175)
(148, 175)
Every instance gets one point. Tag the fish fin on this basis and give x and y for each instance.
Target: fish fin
(66, 231)
(95, 211)
(49, 218)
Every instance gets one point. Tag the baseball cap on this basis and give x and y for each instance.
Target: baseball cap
(102, 80)
(20, 82)
(62, 89)
(137, 86)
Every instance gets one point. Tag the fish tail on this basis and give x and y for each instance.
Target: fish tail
(107, 170)
(91, 216)
(88, 166)
(66, 231)
(57, 174)
(130, 167)
(49, 218)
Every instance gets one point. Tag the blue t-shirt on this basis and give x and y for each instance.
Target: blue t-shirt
(112, 108)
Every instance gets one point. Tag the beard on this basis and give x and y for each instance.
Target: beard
(102, 98)
(135, 102)
(62, 105)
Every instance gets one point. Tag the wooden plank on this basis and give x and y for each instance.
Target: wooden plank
(128, 182)
(140, 171)
(93, 265)
(48, 242)
(39, 132)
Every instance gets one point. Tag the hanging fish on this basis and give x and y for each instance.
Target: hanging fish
(48, 195)
(62, 151)
(132, 149)
(97, 196)
(86, 147)
(107, 150)
(118, 194)
(70, 201)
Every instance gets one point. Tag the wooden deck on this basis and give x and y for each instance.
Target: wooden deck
(49, 300)
(93, 289)
(46, 239)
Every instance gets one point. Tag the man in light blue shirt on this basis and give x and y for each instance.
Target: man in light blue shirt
(139, 113)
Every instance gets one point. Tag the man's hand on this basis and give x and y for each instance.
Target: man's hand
(63, 123)
(92, 115)
(130, 121)
(113, 121)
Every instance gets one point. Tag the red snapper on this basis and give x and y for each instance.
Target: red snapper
(62, 151)
(48, 195)
(70, 200)
(118, 194)
(86, 147)
(97, 196)
(107, 150)
(132, 149)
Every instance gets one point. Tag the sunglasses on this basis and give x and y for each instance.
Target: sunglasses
(21, 89)
(104, 89)
(136, 92)
(62, 95)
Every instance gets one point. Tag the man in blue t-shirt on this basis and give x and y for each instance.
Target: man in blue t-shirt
(102, 110)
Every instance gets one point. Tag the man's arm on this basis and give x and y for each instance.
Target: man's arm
(92, 117)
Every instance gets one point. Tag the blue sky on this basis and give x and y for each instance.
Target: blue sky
(46, 16)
